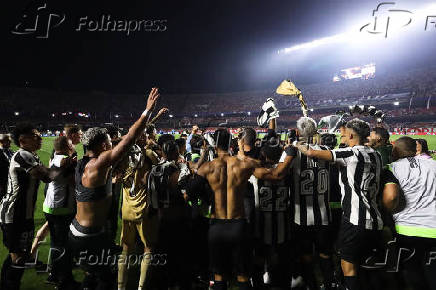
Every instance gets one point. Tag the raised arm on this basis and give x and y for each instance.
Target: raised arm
(160, 113)
(320, 154)
(109, 157)
(281, 170)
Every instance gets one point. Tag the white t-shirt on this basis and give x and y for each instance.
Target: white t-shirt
(417, 179)
(59, 198)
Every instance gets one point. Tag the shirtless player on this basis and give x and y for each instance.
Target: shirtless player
(87, 238)
(228, 177)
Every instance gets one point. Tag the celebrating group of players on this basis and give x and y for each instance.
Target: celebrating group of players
(216, 208)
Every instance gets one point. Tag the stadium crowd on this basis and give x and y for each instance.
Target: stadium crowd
(412, 89)
(214, 210)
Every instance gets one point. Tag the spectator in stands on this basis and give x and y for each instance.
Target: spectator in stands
(422, 149)
(5, 159)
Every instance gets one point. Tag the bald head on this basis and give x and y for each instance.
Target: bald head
(404, 147)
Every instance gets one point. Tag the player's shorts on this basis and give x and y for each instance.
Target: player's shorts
(355, 244)
(92, 248)
(229, 246)
(310, 239)
(18, 237)
(147, 228)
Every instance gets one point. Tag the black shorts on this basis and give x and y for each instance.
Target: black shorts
(313, 238)
(93, 249)
(229, 246)
(355, 243)
(18, 237)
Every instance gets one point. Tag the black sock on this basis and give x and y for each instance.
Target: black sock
(10, 276)
(219, 285)
(244, 285)
(328, 274)
(351, 282)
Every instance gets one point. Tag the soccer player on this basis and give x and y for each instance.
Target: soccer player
(227, 176)
(5, 159)
(196, 144)
(416, 222)
(73, 133)
(272, 224)
(87, 238)
(18, 205)
(166, 190)
(135, 218)
(360, 167)
(379, 140)
(59, 209)
(311, 209)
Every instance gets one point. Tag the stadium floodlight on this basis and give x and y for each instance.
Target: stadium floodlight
(222, 114)
(171, 116)
(249, 113)
(16, 113)
(396, 103)
(317, 42)
(354, 35)
(116, 116)
(195, 115)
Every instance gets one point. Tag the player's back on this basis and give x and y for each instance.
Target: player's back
(217, 179)
(239, 171)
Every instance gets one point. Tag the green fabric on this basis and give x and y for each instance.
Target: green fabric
(335, 204)
(56, 211)
(386, 153)
(416, 231)
(194, 157)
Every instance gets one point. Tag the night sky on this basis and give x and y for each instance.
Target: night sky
(207, 46)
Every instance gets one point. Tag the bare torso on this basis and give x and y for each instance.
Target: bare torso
(228, 177)
(94, 213)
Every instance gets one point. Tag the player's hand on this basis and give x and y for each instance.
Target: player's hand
(303, 147)
(152, 98)
(163, 111)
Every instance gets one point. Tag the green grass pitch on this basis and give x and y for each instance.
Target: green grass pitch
(31, 280)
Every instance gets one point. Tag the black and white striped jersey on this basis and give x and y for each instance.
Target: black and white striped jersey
(161, 193)
(310, 187)
(272, 212)
(359, 177)
(18, 204)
